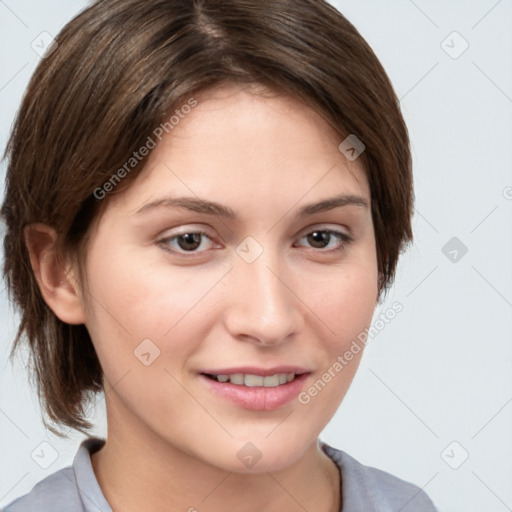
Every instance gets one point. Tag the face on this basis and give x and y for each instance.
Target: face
(222, 287)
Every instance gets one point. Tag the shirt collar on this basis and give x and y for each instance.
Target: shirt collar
(90, 492)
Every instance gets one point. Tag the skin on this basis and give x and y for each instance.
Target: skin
(172, 444)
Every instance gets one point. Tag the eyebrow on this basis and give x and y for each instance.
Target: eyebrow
(198, 205)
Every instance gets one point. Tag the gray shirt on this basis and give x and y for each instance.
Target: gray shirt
(364, 489)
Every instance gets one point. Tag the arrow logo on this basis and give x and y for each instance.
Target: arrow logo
(247, 252)
(454, 455)
(44, 455)
(249, 455)
(450, 454)
(454, 45)
(454, 249)
(147, 352)
(44, 45)
(351, 147)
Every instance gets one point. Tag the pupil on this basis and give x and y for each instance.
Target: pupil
(319, 238)
(192, 241)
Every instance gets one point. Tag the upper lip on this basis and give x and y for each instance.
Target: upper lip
(253, 370)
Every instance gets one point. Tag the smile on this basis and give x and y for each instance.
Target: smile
(250, 380)
(256, 389)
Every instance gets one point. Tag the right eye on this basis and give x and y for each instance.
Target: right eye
(185, 242)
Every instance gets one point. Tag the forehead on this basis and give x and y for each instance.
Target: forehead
(253, 118)
(247, 142)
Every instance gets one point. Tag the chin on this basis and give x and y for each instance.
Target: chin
(260, 455)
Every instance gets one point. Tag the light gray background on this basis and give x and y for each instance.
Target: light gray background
(440, 372)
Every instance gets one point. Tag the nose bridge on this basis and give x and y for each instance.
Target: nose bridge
(263, 307)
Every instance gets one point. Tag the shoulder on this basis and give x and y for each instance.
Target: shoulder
(57, 492)
(71, 489)
(377, 490)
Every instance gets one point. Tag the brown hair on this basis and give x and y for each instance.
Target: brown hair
(120, 69)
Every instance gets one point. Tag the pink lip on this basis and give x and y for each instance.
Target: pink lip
(257, 398)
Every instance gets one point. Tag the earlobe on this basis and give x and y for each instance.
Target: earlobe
(54, 274)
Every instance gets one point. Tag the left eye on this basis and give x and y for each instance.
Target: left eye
(322, 238)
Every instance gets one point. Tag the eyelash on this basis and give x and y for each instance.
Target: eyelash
(344, 239)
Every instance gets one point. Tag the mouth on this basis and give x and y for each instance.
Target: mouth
(256, 389)
(252, 380)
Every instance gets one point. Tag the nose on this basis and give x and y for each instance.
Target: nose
(263, 307)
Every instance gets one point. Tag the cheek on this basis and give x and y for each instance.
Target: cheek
(345, 304)
(131, 299)
(345, 300)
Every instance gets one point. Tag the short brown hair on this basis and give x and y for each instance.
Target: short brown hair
(120, 69)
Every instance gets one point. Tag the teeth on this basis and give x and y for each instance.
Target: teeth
(254, 380)
(249, 380)
(271, 381)
(237, 378)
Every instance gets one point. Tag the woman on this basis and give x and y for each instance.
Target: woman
(205, 201)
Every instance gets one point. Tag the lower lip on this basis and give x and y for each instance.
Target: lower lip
(258, 398)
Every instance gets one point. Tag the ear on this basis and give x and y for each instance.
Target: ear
(54, 274)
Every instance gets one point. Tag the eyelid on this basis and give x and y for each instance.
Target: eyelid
(183, 229)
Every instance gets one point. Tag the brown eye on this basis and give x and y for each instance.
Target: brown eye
(319, 239)
(189, 241)
(329, 239)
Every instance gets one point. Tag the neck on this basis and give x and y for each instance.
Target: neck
(137, 470)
